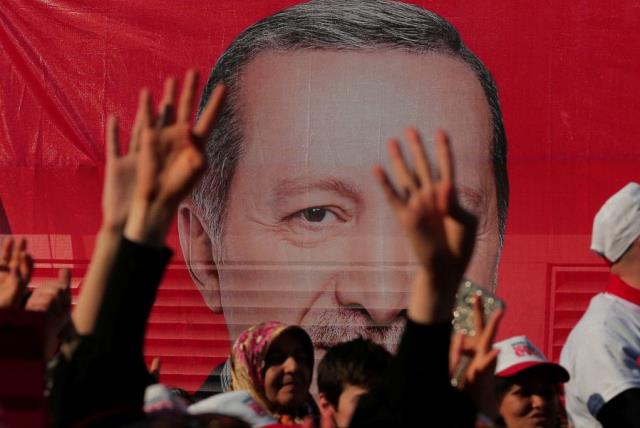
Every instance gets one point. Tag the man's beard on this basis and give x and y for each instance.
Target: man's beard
(332, 326)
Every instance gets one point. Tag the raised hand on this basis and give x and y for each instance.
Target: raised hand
(473, 359)
(120, 169)
(119, 179)
(171, 159)
(54, 299)
(16, 266)
(154, 368)
(441, 231)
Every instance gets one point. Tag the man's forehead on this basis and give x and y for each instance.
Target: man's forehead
(339, 108)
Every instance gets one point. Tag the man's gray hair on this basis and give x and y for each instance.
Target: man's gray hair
(339, 25)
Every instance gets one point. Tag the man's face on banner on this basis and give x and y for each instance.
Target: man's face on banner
(308, 236)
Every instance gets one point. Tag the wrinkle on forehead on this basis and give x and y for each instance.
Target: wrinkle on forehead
(330, 113)
(331, 105)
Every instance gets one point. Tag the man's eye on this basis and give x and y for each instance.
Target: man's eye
(318, 220)
(315, 214)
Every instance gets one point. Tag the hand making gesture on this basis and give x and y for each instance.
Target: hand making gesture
(164, 158)
(472, 360)
(16, 266)
(170, 160)
(441, 232)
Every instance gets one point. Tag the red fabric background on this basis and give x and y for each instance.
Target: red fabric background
(567, 74)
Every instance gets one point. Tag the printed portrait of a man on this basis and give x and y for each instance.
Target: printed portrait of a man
(288, 223)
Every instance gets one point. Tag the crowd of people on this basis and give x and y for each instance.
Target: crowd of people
(100, 378)
(436, 377)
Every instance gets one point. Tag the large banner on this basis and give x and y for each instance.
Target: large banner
(540, 101)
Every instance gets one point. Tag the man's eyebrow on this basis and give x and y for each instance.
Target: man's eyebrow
(295, 186)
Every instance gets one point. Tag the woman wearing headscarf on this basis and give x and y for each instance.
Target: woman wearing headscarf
(271, 370)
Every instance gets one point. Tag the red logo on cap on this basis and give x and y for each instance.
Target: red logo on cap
(523, 349)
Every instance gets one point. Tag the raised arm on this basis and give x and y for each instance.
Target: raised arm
(169, 161)
(15, 272)
(441, 232)
(117, 193)
(417, 389)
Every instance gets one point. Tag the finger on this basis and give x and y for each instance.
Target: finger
(22, 244)
(40, 299)
(185, 105)
(154, 367)
(455, 352)
(491, 329)
(64, 284)
(37, 304)
(188, 167)
(420, 159)
(64, 278)
(14, 263)
(136, 130)
(487, 360)
(401, 171)
(7, 250)
(25, 267)
(210, 113)
(445, 160)
(445, 196)
(144, 107)
(478, 315)
(165, 110)
(111, 138)
(389, 191)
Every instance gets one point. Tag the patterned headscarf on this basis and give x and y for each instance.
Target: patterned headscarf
(248, 360)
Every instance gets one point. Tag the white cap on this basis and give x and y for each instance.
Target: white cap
(617, 224)
(518, 354)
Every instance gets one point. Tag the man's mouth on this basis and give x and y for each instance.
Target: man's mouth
(329, 327)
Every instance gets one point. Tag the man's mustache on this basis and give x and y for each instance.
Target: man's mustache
(329, 327)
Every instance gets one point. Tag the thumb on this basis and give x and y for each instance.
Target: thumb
(154, 368)
(64, 278)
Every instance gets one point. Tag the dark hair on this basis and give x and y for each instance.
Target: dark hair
(358, 362)
(504, 384)
(343, 25)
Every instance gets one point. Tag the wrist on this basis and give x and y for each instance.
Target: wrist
(432, 299)
(148, 223)
(111, 228)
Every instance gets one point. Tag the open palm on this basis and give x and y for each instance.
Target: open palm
(441, 231)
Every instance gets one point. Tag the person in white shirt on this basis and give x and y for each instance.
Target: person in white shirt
(602, 352)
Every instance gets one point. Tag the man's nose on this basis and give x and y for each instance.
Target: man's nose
(381, 291)
(383, 265)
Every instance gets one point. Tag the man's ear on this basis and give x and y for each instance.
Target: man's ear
(198, 254)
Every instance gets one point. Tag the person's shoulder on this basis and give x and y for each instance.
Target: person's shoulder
(239, 404)
(597, 311)
(219, 401)
(605, 339)
(621, 309)
(590, 331)
(620, 321)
